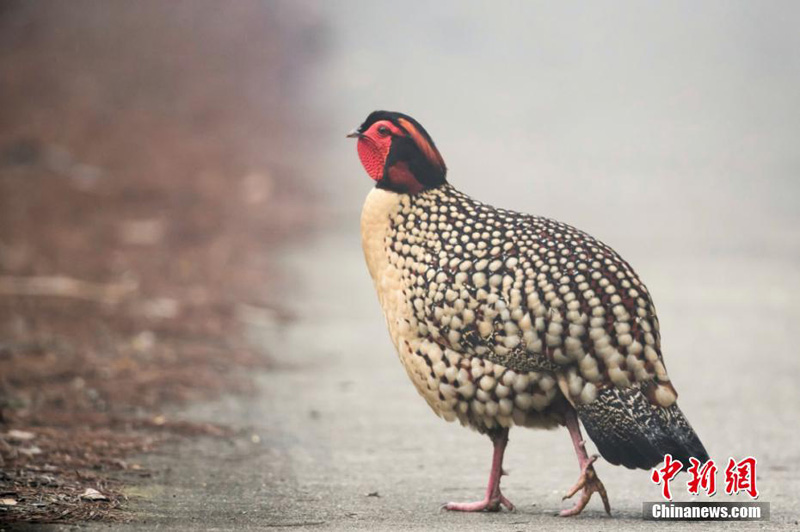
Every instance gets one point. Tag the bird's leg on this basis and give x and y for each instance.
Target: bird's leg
(588, 482)
(494, 498)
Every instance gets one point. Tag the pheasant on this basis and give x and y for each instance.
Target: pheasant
(505, 319)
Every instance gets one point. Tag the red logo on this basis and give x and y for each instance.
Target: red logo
(704, 477)
(741, 477)
(665, 474)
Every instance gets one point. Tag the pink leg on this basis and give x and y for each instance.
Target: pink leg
(493, 499)
(588, 479)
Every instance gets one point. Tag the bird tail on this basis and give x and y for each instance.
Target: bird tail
(629, 430)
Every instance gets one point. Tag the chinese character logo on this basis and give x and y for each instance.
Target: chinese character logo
(704, 477)
(739, 476)
(665, 474)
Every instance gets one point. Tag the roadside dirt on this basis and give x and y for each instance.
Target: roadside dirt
(141, 197)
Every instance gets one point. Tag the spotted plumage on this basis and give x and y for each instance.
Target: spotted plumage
(502, 318)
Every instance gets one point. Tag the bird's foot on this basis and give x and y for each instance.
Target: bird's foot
(588, 483)
(489, 504)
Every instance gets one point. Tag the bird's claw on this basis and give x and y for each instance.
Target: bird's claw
(487, 505)
(590, 484)
(505, 502)
(587, 474)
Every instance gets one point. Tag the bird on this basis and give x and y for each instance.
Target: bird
(504, 319)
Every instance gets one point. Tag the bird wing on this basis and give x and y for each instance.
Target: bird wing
(534, 294)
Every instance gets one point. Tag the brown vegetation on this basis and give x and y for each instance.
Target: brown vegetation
(140, 202)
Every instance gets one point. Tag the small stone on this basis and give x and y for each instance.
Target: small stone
(92, 494)
(20, 435)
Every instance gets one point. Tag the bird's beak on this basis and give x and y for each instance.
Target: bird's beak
(354, 134)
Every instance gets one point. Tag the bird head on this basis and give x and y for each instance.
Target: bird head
(398, 153)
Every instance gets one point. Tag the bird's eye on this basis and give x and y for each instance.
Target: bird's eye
(383, 130)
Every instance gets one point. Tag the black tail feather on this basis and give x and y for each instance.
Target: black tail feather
(629, 430)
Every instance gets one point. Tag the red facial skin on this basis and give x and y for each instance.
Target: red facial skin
(373, 149)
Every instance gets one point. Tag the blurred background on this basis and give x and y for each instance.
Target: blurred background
(180, 252)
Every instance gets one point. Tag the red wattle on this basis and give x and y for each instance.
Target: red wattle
(371, 158)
